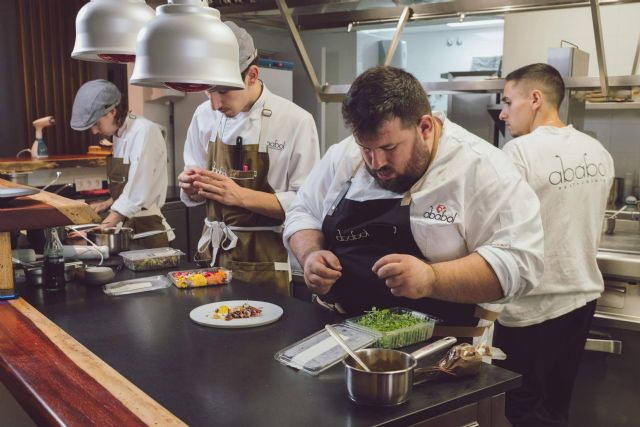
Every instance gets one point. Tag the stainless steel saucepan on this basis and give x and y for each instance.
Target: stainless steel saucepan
(391, 378)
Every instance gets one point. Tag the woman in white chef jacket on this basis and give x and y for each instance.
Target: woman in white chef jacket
(136, 171)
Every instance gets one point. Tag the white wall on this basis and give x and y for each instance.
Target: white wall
(429, 54)
(528, 35)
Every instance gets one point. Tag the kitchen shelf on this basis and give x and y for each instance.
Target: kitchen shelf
(635, 105)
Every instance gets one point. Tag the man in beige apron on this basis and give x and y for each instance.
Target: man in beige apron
(251, 243)
(147, 219)
(247, 153)
(136, 172)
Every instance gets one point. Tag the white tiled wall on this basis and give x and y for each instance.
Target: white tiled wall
(619, 132)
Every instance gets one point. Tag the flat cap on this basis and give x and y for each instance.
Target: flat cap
(248, 51)
(94, 99)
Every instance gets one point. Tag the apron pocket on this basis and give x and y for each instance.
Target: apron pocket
(263, 274)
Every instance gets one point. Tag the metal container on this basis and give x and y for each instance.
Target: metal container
(391, 378)
(116, 242)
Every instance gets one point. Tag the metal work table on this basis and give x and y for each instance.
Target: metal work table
(208, 376)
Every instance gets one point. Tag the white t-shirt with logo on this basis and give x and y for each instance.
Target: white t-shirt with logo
(472, 200)
(571, 173)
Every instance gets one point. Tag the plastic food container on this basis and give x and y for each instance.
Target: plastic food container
(151, 259)
(321, 351)
(404, 336)
(134, 286)
(187, 279)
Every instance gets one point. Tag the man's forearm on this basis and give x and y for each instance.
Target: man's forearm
(466, 280)
(263, 203)
(304, 242)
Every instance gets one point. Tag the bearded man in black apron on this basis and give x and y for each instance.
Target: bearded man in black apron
(411, 211)
(247, 153)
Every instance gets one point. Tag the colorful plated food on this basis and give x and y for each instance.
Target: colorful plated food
(198, 278)
(243, 311)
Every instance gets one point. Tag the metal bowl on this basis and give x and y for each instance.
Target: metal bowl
(116, 242)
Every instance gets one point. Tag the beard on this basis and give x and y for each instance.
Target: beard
(415, 168)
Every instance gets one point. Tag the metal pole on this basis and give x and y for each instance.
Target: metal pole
(297, 41)
(404, 17)
(597, 32)
(634, 68)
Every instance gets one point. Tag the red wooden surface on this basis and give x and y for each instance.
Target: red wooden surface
(49, 386)
(24, 213)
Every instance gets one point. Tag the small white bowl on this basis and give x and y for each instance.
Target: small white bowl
(98, 275)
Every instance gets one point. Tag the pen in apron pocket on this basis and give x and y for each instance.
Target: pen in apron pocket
(238, 156)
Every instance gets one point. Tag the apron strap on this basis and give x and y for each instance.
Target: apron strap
(468, 331)
(216, 234)
(483, 313)
(264, 129)
(458, 331)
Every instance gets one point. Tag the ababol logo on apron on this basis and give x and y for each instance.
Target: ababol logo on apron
(440, 214)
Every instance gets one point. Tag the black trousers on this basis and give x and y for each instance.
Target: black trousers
(547, 355)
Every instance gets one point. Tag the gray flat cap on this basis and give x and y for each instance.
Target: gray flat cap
(248, 51)
(93, 100)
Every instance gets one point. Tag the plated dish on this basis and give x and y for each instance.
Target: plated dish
(249, 314)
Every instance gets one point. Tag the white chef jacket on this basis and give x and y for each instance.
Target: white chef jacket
(140, 144)
(292, 141)
(472, 199)
(571, 173)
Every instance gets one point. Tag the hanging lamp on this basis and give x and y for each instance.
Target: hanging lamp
(187, 47)
(106, 30)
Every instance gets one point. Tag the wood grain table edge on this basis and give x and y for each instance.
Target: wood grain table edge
(134, 399)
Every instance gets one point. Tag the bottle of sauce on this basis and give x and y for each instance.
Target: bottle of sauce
(53, 270)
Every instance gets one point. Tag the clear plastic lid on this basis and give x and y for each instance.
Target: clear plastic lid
(150, 253)
(143, 284)
(320, 351)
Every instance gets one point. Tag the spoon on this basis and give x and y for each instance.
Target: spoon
(344, 345)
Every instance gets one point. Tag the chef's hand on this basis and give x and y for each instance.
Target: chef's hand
(185, 182)
(221, 188)
(321, 270)
(405, 275)
(101, 206)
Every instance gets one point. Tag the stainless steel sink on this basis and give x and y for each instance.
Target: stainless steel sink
(619, 253)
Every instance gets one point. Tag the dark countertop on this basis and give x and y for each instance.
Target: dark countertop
(209, 376)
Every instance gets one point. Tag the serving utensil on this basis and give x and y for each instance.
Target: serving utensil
(346, 348)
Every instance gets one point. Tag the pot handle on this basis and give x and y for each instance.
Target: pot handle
(434, 347)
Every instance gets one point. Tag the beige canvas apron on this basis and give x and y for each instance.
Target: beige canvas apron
(118, 173)
(251, 243)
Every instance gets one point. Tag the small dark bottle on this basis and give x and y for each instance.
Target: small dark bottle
(53, 270)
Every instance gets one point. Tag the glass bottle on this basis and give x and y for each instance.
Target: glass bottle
(53, 270)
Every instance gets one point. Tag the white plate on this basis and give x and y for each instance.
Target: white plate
(10, 193)
(203, 315)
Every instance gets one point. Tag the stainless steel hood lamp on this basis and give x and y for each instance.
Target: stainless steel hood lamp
(106, 30)
(187, 47)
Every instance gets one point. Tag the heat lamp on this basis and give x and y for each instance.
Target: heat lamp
(106, 30)
(187, 47)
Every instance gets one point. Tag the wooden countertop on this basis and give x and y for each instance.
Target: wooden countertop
(79, 357)
(12, 164)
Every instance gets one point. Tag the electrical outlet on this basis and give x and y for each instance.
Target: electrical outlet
(83, 184)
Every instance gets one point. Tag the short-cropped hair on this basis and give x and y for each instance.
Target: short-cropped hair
(381, 94)
(546, 76)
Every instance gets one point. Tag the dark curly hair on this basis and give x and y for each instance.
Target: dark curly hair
(381, 94)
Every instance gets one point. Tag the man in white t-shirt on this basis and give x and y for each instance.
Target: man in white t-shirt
(544, 331)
